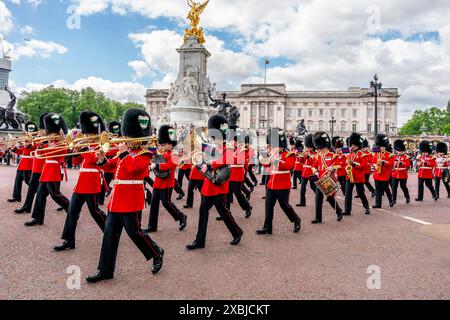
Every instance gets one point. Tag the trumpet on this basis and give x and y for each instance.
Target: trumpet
(379, 166)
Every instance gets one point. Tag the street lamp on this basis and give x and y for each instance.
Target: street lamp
(424, 130)
(375, 91)
(332, 123)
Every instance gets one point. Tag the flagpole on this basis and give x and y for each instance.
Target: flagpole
(265, 73)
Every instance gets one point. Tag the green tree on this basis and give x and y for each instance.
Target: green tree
(70, 103)
(436, 120)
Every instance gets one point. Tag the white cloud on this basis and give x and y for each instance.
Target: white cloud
(141, 69)
(37, 48)
(6, 21)
(119, 91)
(27, 30)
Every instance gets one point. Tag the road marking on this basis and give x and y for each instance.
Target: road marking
(417, 220)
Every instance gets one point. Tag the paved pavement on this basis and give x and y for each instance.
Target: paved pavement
(409, 245)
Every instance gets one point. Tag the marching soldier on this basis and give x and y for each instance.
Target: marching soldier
(279, 186)
(184, 170)
(426, 164)
(326, 163)
(51, 177)
(400, 173)
(354, 168)
(383, 162)
(127, 198)
(250, 156)
(88, 185)
(25, 165)
(368, 168)
(308, 160)
(163, 187)
(298, 166)
(196, 180)
(36, 171)
(338, 145)
(441, 171)
(215, 194)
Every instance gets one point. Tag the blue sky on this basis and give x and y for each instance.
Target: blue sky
(124, 47)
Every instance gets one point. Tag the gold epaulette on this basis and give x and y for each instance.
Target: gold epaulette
(290, 153)
(142, 152)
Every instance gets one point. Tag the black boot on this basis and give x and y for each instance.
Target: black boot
(186, 206)
(158, 262)
(22, 210)
(339, 215)
(391, 203)
(300, 205)
(13, 200)
(345, 213)
(297, 225)
(99, 276)
(195, 245)
(248, 213)
(236, 240)
(219, 218)
(264, 231)
(316, 221)
(183, 223)
(66, 245)
(32, 222)
(367, 211)
(408, 200)
(180, 196)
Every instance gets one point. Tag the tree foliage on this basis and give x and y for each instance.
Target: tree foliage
(70, 103)
(435, 120)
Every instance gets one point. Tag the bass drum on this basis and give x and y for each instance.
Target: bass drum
(218, 176)
(162, 174)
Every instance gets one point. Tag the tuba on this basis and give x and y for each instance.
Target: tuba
(159, 159)
(216, 176)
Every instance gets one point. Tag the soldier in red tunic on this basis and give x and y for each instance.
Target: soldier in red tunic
(354, 168)
(383, 162)
(298, 166)
(338, 145)
(88, 185)
(427, 164)
(25, 165)
(36, 171)
(127, 198)
(185, 170)
(326, 163)
(216, 194)
(51, 177)
(368, 168)
(308, 160)
(400, 170)
(250, 155)
(442, 166)
(162, 188)
(279, 186)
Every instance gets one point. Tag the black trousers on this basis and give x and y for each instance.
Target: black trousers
(235, 188)
(32, 189)
(181, 174)
(296, 176)
(45, 189)
(21, 176)
(437, 186)
(177, 188)
(343, 182)
(219, 202)
(76, 203)
(349, 195)
(252, 174)
(381, 188)
(319, 204)
(109, 176)
(368, 184)
(248, 183)
(429, 184)
(193, 184)
(282, 196)
(162, 195)
(303, 189)
(245, 190)
(115, 222)
(402, 182)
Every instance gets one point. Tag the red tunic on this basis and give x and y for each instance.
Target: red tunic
(358, 168)
(38, 164)
(308, 161)
(209, 189)
(250, 156)
(26, 160)
(186, 162)
(325, 161)
(441, 164)
(401, 165)
(342, 159)
(298, 166)
(368, 168)
(238, 165)
(280, 177)
(89, 181)
(426, 166)
(128, 193)
(387, 159)
(196, 174)
(111, 154)
(51, 172)
(170, 165)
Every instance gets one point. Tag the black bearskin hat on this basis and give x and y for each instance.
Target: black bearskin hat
(218, 123)
(337, 142)
(382, 140)
(441, 147)
(41, 121)
(167, 134)
(54, 123)
(321, 140)
(277, 135)
(298, 144)
(136, 123)
(30, 127)
(356, 139)
(399, 145)
(425, 146)
(365, 143)
(91, 123)
(309, 141)
(114, 127)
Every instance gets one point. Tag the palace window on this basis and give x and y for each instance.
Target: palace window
(369, 112)
(299, 112)
(388, 112)
(387, 128)
(310, 112)
(333, 112)
(343, 113)
(354, 127)
(355, 113)
(343, 126)
(320, 125)
(321, 112)
(369, 127)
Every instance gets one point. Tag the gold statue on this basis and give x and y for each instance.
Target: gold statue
(194, 18)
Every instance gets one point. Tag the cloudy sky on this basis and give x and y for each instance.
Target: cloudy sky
(121, 47)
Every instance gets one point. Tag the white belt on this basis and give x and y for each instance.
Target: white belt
(52, 161)
(89, 170)
(426, 168)
(129, 182)
(298, 162)
(26, 157)
(237, 166)
(399, 168)
(307, 166)
(281, 172)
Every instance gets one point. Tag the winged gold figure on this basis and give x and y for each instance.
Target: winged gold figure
(197, 9)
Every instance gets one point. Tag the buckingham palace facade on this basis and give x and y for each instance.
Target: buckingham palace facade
(271, 105)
